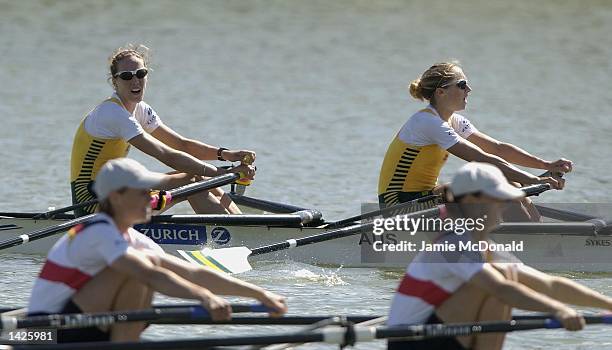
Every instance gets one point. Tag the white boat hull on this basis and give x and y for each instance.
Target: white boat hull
(552, 252)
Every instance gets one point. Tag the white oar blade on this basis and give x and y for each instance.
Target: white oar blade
(229, 260)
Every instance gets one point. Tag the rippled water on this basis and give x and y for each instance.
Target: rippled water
(318, 89)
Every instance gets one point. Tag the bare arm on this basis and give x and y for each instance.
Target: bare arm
(468, 151)
(221, 283)
(513, 293)
(507, 151)
(199, 150)
(146, 269)
(517, 155)
(173, 158)
(140, 267)
(195, 148)
(217, 282)
(563, 289)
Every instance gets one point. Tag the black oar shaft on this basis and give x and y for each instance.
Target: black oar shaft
(254, 320)
(532, 190)
(195, 187)
(337, 233)
(52, 213)
(261, 204)
(389, 210)
(296, 219)
(180, 192)
(191, 344)
(170, 312)
(49, 231)
(345, 334)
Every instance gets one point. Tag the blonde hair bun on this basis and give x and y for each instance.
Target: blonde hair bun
(415, 89)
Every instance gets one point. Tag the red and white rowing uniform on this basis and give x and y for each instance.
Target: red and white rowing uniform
(432, 277)
(78, 256)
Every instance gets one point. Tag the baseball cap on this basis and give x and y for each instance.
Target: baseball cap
(124, 172)
(485, 178)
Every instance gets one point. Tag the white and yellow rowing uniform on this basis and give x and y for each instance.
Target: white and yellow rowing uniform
(103, 135)
(416, 155)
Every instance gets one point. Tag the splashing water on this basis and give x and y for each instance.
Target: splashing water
(328, 278)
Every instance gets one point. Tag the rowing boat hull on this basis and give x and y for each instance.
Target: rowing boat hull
(552, 252)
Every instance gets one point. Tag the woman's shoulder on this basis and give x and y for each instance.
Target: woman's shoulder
(110, 106)
(424, 117)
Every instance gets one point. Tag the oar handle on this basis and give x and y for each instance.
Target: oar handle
(187, 190)
(261, 204)
(179, 192)
(172, 312)
(392, 209)
(338, 233)
(535, 190)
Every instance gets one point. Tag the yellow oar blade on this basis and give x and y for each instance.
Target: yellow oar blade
(228, 260)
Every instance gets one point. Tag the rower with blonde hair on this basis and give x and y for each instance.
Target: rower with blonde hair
(125, 120)
(415, 157)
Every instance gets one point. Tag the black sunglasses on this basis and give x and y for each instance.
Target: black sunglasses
(462, 84)
(129, 74)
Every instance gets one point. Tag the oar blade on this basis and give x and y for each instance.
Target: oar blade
(228, 260)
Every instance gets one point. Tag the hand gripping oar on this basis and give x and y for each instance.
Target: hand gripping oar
(235, 259)
(180, 192)
(155, 200)
(165, 313)
(532, 190)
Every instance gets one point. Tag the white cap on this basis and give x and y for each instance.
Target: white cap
(486, 178)
(123, 172)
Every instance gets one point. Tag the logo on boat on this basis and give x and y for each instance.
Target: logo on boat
(220, 235)
(598, 243)
(174, 234)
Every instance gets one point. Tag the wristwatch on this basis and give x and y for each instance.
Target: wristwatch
(219, 152)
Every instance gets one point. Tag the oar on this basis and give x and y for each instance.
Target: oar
(169, 312)
(344, 335)
(180, 192)
(235, 259)
(52, 213)
(291, 320)
(532, 190)
(388, 210)
(265, 205)
(462, 329)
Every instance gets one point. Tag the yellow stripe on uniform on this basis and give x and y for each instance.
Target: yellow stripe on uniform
(411, 168)
(89, 153)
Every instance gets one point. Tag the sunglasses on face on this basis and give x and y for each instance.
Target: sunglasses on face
(129, 74)
(462, 84)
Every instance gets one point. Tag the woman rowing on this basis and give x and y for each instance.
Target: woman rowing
(470, 286)
(106, 265)
(416, 155)
(125, 119)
